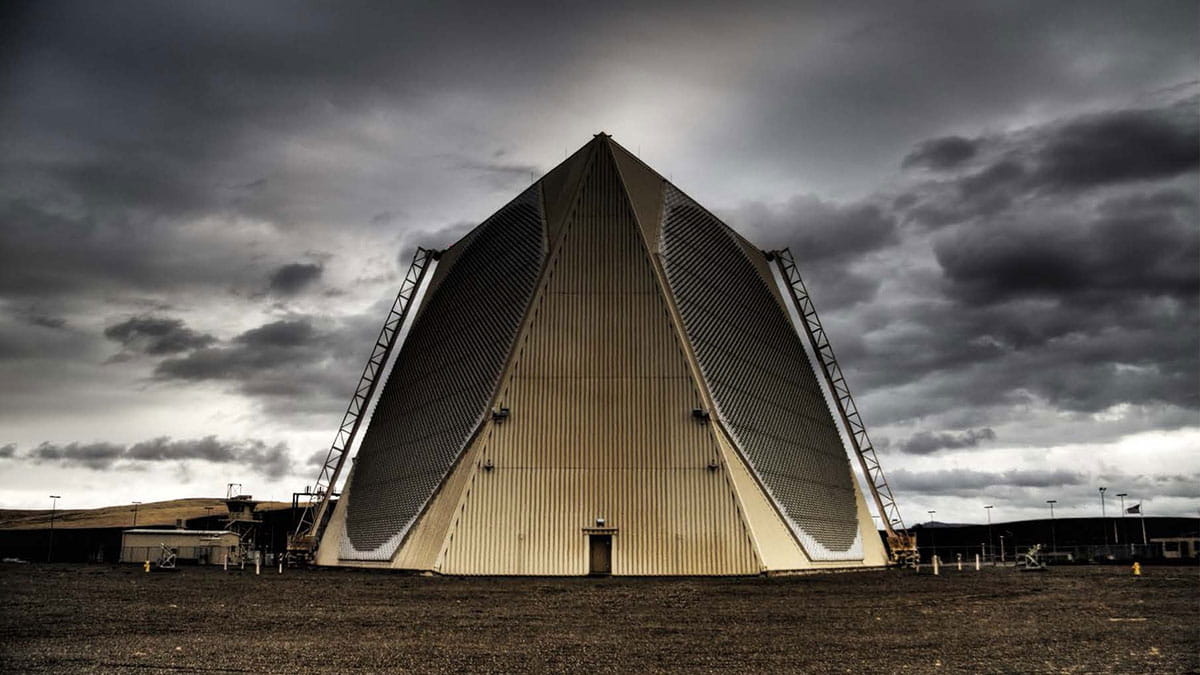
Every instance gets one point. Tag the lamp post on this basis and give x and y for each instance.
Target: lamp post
(53, 508)
(932, 533)
(1104, 529)
(1053, 534)
(988, 510)
(135, 510)
(1124, 531)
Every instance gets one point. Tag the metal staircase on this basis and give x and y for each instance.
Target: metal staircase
(902, 544)
(302, 544)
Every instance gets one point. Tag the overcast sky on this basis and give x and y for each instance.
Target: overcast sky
(206, 207)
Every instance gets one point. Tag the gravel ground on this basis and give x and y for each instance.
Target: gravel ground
(81, 618)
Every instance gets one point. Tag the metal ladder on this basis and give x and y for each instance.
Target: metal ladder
(901, 543)
(303, 542)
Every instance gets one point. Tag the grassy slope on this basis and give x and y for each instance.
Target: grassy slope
(151, 513)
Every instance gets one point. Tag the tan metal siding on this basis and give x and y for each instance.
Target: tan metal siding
(644, 187)
(600, 425)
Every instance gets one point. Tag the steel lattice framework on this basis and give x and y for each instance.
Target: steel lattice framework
(313, 515)
(900, 541)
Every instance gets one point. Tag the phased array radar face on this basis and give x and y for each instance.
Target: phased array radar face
(443, 380)
(761, 378)
(600, 311)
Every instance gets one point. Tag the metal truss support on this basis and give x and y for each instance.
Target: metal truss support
(901, 543)
(313, 515)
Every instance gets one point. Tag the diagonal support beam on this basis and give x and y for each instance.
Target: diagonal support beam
(314, 514)
(901, 543)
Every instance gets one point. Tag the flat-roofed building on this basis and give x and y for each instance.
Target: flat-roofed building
(203, 547)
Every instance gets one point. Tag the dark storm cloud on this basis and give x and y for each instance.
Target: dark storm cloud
(283, 333)
(46, 320)
(1057, 163)
(1120, 146)
(1072, 296)
(970, 482)
(950, 356)
(270, 348)
(290, 366)
(270, 460)
(941, 154)
(91, 455)
(46, 254)
(157, 336)
(825, 238)
(928, 442)
(8, 451)
(817, 230)
(292, 278)
(1147, 245)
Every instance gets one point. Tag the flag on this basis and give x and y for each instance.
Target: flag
(1136, 508)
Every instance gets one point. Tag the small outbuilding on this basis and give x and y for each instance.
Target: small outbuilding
(1181, 548)
(202, 547)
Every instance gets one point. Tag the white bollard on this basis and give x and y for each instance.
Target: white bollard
(225, 562)
(281, 567)
(935, 566)
(257, 566)
(959, 562)
(976, 562)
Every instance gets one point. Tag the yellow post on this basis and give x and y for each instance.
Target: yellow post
(1137, 569)
(146, 566)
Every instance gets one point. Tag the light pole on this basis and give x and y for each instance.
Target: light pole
(991, 546)
(1053, 534)
(53, 508)
(1124, 531)
(135, 510)
(932, 533)
(1103, 518)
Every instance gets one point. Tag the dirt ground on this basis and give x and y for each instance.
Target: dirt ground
(79, 618)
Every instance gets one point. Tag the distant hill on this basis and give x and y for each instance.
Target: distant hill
(150, 513)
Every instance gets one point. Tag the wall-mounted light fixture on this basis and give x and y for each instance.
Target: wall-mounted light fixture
(488, 466)
(713, 465)
(700, 414)
(500, 415)
(600, 521)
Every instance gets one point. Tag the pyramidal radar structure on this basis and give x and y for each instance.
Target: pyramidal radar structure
(602, 378)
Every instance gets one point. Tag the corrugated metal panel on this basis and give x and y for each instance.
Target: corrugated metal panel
(761, 379)
(601, 425)
(645, 190)
(444, 377)
(559, 188)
